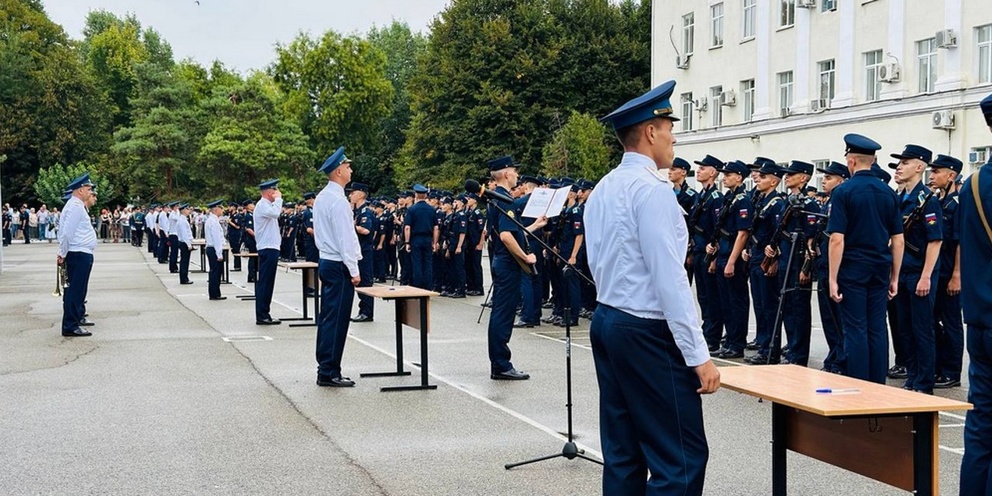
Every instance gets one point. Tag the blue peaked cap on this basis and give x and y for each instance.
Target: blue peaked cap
(736, 166)
(799, 167)
(836, 169)
(337, 158)
(274, 183)
(880, 173)
(855, 143)
(947, 162)
(79, 182)
(987, 109)
(501, 163)
(914, 151)
(420, 188)
(771, 168)
(682, 163)
(654, 103)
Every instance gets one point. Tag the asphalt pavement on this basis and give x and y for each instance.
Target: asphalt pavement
(176, 394)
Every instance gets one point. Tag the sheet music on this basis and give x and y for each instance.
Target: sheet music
(546, 201)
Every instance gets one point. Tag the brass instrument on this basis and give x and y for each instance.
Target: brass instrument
(61, 281)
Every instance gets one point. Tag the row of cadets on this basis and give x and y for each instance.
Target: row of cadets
(214, 237)
(184, 242)
(702, 224)
(364, 220)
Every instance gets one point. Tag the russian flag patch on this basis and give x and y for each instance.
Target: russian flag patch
(743, 213)
(931, 219)
(811, 219)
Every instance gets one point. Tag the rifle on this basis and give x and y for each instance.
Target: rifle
(769, 265)
(693, 220)
(728, 201)
(913, 218)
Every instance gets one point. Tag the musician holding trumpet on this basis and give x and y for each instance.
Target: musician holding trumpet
(77, 239)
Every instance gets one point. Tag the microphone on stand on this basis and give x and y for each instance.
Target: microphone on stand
(473, 186)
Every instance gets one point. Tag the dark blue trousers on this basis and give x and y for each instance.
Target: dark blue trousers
(733, 297)
(976, 478)
(709, 301)
(183, 262)
(406, 272)
(268, 261)
(948, 332)
(530, 291)
(366, 304)
(438, 279)
(650, 416)
(422, 262)
(152, 242)
(249, 243)
(456, 276)
(78, 266)
(216, 269)
(572, 290)
(506, 295)
(915, 317)
(163, 249)
(379, 263)
(173, 253)
(797, 318)
(337, 295)
(234, 238)
(473, 268)
(900, 337)
(764, 295)
(832, 329)
(862, 315)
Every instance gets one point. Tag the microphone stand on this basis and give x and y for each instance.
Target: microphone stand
(570, 451)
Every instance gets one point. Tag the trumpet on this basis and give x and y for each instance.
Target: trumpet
(61, 281)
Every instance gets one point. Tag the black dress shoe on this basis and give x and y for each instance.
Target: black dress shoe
(716, 352)
(361, 318)
(187, 282)
(726, 354)
(943, 382)
(218, 298)
(752, 346)
(760, 359)
(86, 323)
(523, 325)
(456, 295)
(77, 333)
(268, 322)
(510, 375)
(173, 271)
(897, 372)
(326, 381)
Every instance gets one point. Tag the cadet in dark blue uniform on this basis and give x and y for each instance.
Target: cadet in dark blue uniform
(833, 175)
(457, 239)
(384, 234)
(473, 247)
(947, 325)
(796, 310)
(248, 238)
(685, 195)
(573, 232)
(920, 267)
(588, 289)
(507, 251)
(439, 276)
(768, 209)
(421, 235)
(702, 223)
(365, 227)
(973, 218)
(730, 268)
(866, 245)
(531, 287)
(310, 247)
(235, 232)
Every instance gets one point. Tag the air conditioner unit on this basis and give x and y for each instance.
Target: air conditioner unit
(728, 98)
(978, 156)
(945, 38)
(701, 104)
(889, 73)
(819, 105)
(682, 62)
(806, 4)
(942, 119)
(829, 5)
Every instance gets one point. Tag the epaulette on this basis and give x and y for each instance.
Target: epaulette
(690, 192)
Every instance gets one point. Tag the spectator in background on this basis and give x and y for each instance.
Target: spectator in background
(103, 225)
(25, 216)
(53, 225)
(32, 225)
(42, 222)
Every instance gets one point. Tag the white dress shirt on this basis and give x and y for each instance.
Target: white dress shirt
(151, 220)
(174, 222)
(183, 231)
(163, 223)
(266, 217)
(636, 242)
(334, 228)
(214, 235)
(76, 232)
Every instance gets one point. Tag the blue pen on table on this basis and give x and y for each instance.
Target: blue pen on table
(838, 391)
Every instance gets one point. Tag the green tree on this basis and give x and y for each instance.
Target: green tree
(113, 49)
(578, 149)
(53, 180)
(336, 88)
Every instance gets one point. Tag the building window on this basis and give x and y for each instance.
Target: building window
(688, 32)
(717, 109)
(873, 87)
(926, 64)
(687, 111)
(827, 73)
(716, 26)
(747, 95)
(828, 5)
(784, 92)
(787, 9)
(749, 18)
(985, 54)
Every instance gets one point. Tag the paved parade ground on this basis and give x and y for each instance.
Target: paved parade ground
(175, 394)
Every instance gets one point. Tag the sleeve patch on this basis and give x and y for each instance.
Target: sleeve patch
(743, 213)
(931, 219)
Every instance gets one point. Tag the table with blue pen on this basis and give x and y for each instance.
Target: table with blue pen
(828, 416)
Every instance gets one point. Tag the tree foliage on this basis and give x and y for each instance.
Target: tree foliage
(53, 180)
(578, 149)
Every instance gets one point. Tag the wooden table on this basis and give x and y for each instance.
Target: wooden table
(882, 432)
(202, 243)
(246, 254)
(412, 309)
(306, 268)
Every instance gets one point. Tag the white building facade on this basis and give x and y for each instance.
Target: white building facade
(787, 79)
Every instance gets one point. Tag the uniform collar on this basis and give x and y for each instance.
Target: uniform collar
(634, 159)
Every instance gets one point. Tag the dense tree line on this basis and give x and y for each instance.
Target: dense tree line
(493, 77)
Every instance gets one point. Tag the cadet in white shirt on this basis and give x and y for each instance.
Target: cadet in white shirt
(163, 234)
(268, 241)
(184, 236)
(173, 233)
(652, 362)
(77, 240)
(214, 235)
(337, 241)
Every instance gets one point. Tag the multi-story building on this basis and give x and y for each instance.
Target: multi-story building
(786, 79)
